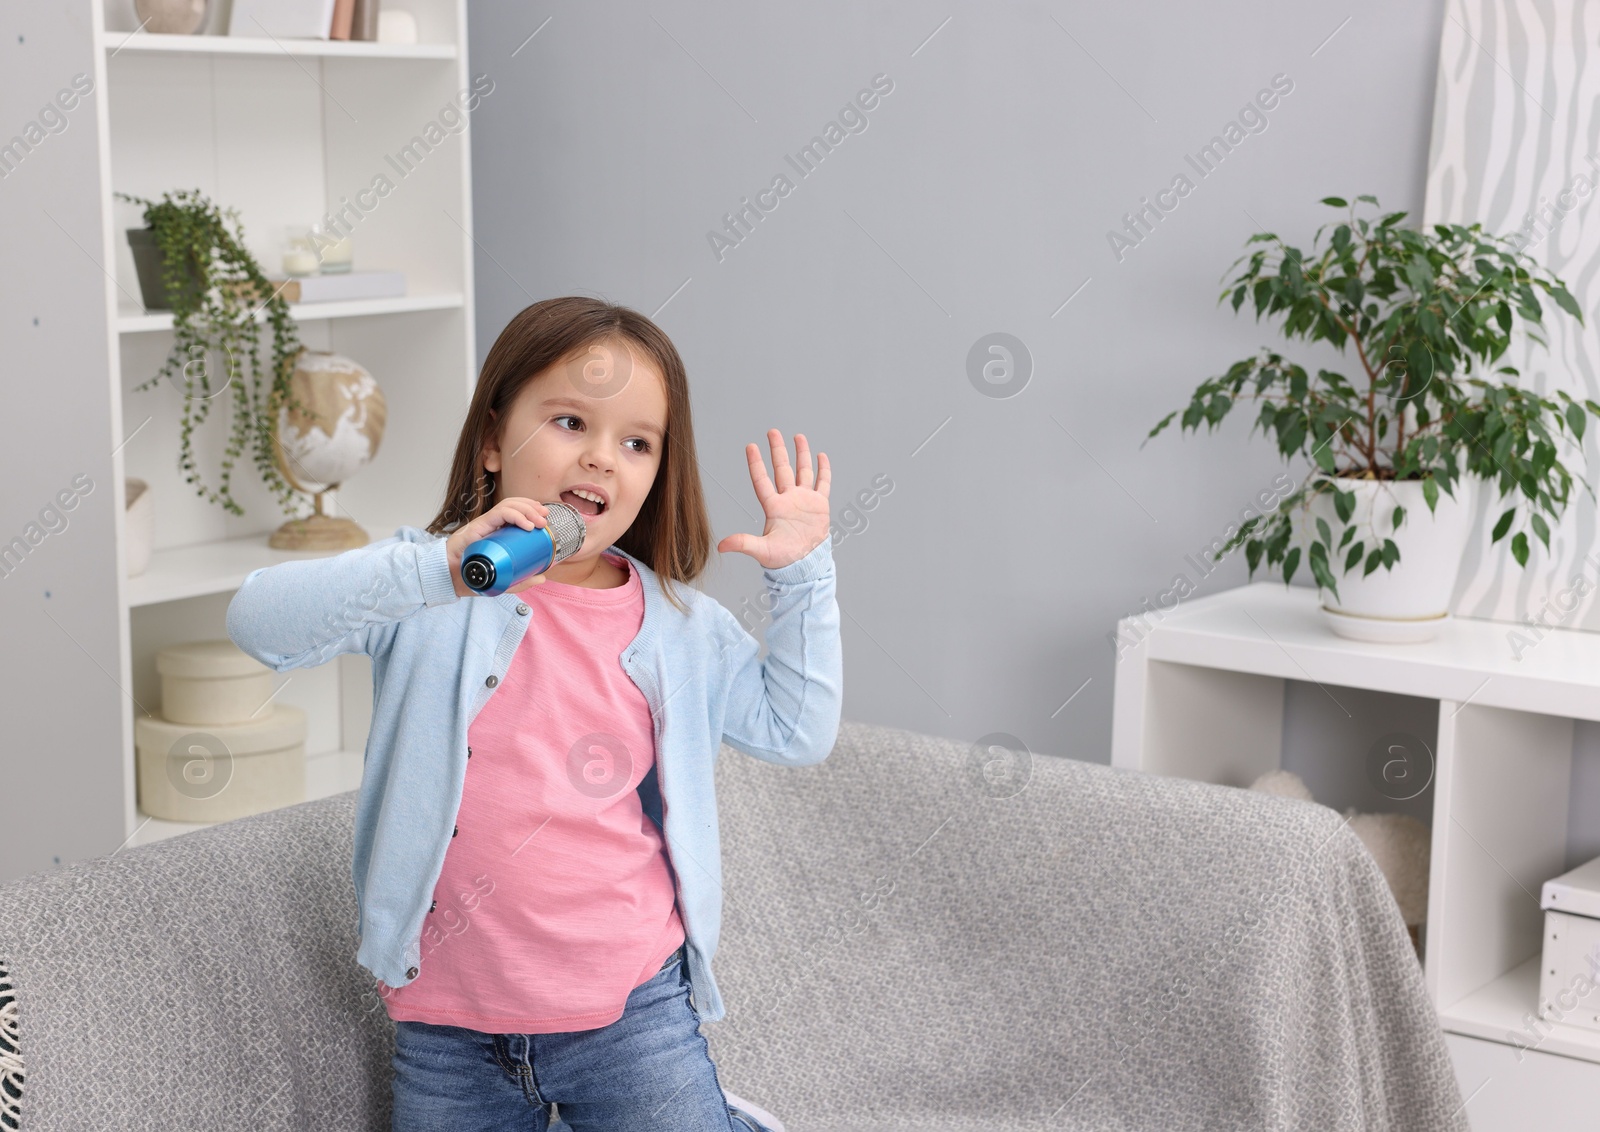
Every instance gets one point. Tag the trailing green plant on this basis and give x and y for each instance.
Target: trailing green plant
(216, 289)
(1427, 313)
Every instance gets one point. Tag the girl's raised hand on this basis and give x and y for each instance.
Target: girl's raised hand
(796, 512)
(525, 513)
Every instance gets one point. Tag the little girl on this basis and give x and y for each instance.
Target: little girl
(537, 865)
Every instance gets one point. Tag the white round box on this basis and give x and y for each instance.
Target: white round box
(211, 682)
(224, 771)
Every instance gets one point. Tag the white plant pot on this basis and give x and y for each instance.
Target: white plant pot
(1411, 601)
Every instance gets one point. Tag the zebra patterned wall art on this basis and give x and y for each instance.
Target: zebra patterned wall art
(1516, 146)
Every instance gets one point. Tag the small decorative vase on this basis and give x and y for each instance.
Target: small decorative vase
(138, 526)
(171, 17)
(1411, 601)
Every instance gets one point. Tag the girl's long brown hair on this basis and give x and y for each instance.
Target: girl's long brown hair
(672, 533)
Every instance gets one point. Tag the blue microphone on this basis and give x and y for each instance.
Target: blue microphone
(498, 561)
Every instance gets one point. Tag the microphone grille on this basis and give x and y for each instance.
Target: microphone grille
(567, 528)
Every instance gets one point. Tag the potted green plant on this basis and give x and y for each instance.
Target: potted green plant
(215, 290)
(1427, 314)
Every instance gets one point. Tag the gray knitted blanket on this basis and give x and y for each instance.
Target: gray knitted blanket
(915, 937)
(917, 940)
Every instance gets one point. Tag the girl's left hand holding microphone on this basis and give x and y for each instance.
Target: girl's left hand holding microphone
(525, 513)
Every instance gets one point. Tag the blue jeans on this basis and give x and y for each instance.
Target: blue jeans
(649, 1071)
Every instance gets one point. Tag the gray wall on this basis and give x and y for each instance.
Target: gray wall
(979, 593)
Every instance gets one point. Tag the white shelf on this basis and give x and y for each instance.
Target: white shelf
(131, 321)
(204, 568)
(116, 42)
(1269, 629)
(328, 773)
(1502, 1007)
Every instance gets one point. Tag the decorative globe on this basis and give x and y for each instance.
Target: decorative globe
(343, 428)
(330, 433)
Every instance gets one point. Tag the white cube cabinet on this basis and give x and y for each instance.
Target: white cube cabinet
(1201, 693)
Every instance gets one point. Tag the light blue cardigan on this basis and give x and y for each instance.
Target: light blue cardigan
(436, 659)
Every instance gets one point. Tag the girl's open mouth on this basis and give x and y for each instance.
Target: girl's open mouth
(588, 508)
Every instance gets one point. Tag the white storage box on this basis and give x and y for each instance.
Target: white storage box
(221, 772)
(210, 682)
(1569, 977)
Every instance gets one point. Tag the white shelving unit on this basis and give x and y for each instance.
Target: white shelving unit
(1202, 696)
(284, 131)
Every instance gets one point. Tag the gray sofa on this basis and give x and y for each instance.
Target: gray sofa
(917, 935)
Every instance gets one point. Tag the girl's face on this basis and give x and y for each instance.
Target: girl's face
(595, 422)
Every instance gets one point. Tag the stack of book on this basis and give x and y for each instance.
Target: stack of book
(349, 285)
(305, 19)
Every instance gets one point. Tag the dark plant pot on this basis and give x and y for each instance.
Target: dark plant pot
(148, 261)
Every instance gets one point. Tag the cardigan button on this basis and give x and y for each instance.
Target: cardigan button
(455, 831)
(491, 681)
(433, 905)
(522, 609)
(411, 972)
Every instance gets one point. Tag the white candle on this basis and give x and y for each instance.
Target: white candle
(299, 261)
(337, 255)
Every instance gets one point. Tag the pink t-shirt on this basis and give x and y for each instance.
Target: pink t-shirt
(556, 898)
